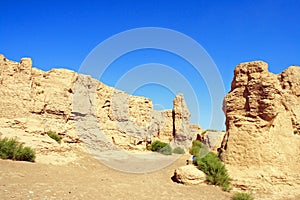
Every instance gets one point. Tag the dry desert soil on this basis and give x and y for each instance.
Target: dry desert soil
(87, 178)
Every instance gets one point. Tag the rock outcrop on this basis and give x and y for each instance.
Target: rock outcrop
(262, 142)
(189, 175)
(77, 107)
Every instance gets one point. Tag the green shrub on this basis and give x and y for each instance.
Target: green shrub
(167, 150)
(197, 143)
(215, 171)
(157, 145)
(242, 196)
(210, 164)
(161, 147)
(195, 151)
(196, 148)
(8, 148)
(11, 149)
(54, 136)
(178, 150)
(25, 154)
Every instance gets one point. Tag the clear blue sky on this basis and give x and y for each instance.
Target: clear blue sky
(62, 33)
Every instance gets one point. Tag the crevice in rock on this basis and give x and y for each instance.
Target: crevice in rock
(223, 147)
(107, 104)
(78, 114)
(55, 112)
(247, 103)
(173, 121)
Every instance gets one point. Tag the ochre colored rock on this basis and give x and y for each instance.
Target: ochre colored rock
(262, 145)
(78, 108)
(181, 120)
(189, 175)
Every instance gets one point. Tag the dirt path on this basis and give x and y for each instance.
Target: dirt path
(89, 179)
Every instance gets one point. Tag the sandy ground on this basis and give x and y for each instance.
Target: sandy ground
(87, 178)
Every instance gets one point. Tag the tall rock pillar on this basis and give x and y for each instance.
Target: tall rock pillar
(181, 122)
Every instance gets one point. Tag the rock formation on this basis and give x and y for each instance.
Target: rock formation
(189, 175)
(77, 107)
(213, 139)
(262, 142)
(181, 124)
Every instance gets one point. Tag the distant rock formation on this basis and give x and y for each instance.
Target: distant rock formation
(213, 139)
(262, 141)
(77, 106)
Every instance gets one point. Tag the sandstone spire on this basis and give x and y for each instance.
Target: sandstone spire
(181, 117)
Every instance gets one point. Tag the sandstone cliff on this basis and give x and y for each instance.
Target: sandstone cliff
(262, 143)
(77, 107)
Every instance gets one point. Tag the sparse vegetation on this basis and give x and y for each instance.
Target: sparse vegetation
(196, 148)
(157, 145)
(242, 196)
(296, 132)
(7, 148)
(25, 154)
(12, 149)
(211, 165)
(212, 130)
(167, 150)
(215, 170)
(178, 150)
(160, 147)
(54, 136)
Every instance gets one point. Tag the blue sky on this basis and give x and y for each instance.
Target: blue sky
(60, 34)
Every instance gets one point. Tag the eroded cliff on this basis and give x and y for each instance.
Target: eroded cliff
(77, 107)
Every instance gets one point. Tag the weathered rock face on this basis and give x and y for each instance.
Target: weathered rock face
(76, 107)
(262, 120)
(126, 121)
(34, 102)
(182, 133)
(213, 139)
(182, 115)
